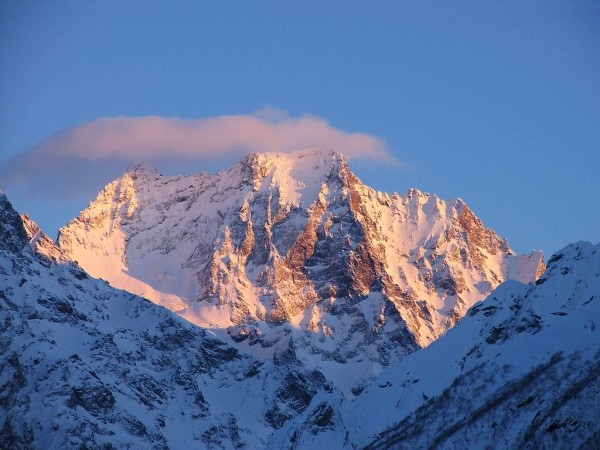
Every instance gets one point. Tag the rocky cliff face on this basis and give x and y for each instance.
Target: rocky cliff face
(291, 256)
(520, 370)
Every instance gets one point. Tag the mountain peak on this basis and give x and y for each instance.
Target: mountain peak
(308, 167)
(293, 238)
(312, 154)
(141, 168)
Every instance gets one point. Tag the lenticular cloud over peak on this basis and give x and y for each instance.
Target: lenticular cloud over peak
(83, 153)
(75, 162)
(153, 137)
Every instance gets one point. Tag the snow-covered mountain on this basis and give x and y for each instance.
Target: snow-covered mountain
(84, 365)
(290, 254)
(520, 370)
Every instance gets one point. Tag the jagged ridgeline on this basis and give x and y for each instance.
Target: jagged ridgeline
(293, 258)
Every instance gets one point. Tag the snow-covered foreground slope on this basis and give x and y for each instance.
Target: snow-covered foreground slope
(520, 370)
(291, 253)
(83, 365)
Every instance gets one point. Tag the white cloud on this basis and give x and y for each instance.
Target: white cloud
(80, 160)
(151, 137)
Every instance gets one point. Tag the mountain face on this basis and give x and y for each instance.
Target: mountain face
(291, 257)
(520, 370)
(83, 365)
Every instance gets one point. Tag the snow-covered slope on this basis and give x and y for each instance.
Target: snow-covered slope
(292, 253)
(83, 365)
(520, 370)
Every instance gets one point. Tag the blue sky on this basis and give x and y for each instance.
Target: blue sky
(494, 102)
